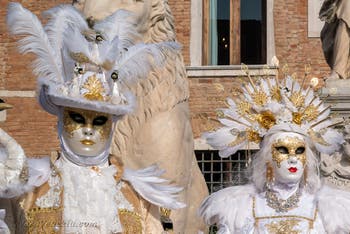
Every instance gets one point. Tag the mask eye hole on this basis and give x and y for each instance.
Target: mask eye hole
(300, 150)
(76, 117)
(99, 120)
(282, 149)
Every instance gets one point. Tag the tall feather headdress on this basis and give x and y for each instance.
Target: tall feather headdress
(269, 106)
(81, 65)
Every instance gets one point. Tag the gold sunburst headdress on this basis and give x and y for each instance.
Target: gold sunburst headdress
(271, 105)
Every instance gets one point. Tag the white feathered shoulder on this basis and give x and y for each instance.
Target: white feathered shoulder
(334, 209)
(148, 183)
(228, 208)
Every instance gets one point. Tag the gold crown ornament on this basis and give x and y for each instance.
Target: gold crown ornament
(271, 105)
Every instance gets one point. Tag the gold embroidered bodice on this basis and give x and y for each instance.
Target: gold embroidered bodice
(48, 217)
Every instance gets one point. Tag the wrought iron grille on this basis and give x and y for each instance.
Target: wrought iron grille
(220, 172)
(223, 172)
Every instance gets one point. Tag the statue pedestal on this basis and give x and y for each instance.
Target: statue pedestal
(337, 94)
(336, 169)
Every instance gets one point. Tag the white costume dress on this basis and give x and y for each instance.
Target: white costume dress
(241, 209)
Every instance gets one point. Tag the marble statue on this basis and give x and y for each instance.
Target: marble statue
(335, 37)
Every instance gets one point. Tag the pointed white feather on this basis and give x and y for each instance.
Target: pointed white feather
(75, 42)
(20, 21)
(309, 97)
(228, 151)
(60, 18)
(109, 50)
(219, 138)
(147, 183)
(265, 87)
(333, 138)
(232, 113)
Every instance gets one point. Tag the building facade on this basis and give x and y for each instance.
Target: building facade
(216, 35)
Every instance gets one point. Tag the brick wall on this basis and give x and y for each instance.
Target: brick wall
(292, 43)
(181, 10)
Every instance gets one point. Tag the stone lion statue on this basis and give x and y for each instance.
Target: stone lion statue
(160, 130)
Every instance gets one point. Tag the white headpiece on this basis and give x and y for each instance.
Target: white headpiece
(81, 65)
(269, 107)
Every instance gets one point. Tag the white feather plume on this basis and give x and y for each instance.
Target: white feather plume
(20, 21)
(333, 205)
(227, 208)
(75, 42)
(147, 183)
(219, 138)
(61, 18)
(135, 63)
(109, 50)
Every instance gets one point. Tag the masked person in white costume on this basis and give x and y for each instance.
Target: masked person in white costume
(13, 170)
(79, 66)
(285, 194)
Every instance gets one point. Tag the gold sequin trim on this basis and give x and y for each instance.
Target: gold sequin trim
(131, 221)
(284, 226)
(44, 220)
(311, 221)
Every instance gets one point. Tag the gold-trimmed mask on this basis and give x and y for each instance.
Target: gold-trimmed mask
(287, 147)
(86, 132)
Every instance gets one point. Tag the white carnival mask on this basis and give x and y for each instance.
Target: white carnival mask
(86, 133)
(288, 159)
